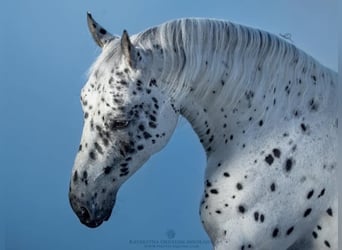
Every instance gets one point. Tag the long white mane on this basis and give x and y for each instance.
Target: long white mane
(205, 55)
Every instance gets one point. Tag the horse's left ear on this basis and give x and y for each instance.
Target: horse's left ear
(100, 34)
(128, 49)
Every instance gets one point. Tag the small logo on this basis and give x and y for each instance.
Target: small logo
(171, 234)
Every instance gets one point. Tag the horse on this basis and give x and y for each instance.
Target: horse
(264, 111)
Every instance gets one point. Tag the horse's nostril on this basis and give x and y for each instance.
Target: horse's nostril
(84, 214)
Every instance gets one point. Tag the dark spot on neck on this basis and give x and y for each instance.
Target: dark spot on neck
(307, 212)
(107, 169)
(239, 186)
(309, 195)
(275, 232)
(276, 152)
(289, 231)
(214, 191)
(269, 159)
(329, 212)
(288, 165)
(261, 122)
(241, 209)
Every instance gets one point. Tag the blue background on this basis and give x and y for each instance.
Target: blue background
(45, 51)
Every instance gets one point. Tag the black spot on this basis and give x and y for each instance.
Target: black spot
(225, 174)
(276, 152)
(140, 147)
(85, 175)
(231, 137)
(98, 148)
(307, 212)
(269, 159)
(322, 193)
(327, 243)
(211, 139)
(213, 191)
(147, 135)
(275, 232)
(288, 165)
(75, 177)
(141, 127)
(239, 186)
(153, 118)
(80, 147)
(313, 105)
(273, 187)
(107, 169)
(92, 155)
(330, 212)
(218, 211)
(256, 216)
(289, 231)
(124, 169)
(261, 122)
(153, 82)
(152, 124)
(314, 234)
(303, 127)
(86, 115)
(262, 218)
(241, 209)
(103, 31)
(309, 195)
(105, 141)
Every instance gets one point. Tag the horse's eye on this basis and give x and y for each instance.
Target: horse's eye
(118, 124)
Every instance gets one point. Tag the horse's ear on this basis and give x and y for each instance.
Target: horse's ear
(128, 49)
(100, 35)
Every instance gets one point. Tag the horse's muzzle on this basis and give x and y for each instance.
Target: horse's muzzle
(89, 215)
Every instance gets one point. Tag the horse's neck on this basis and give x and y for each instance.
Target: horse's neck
(227, 86)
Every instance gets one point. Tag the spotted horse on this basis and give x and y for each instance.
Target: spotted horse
(264, 111)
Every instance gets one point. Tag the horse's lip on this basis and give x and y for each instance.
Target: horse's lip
(96, 223)
(92, 224)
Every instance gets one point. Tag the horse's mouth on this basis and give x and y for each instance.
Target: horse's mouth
(92, 223)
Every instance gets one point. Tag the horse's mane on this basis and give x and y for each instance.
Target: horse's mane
(204, 55)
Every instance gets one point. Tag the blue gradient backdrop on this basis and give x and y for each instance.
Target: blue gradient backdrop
(45, 51)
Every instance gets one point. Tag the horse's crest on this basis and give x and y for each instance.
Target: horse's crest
(264, 111)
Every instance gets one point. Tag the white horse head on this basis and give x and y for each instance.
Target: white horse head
(127, 118)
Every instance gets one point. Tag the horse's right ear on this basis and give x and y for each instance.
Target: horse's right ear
(100, 35)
